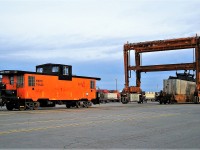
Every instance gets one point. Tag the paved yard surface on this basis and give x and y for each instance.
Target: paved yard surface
(112, 125)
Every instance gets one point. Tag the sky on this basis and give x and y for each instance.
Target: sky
(90, 34)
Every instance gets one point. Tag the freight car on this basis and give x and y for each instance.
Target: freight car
(150, 96)
(106, 96)
(179, 89)
(1, 104)
(49, 85)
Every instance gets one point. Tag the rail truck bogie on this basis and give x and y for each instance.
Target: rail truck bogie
(51, 84)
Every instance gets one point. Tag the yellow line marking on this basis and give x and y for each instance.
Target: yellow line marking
(91, 117)
(82, 124)
(63, 119)
(5, 114)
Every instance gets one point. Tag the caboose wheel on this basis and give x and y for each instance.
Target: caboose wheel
(68, 105)
(78, 104)
(85, 104)
(89, 104)
(36, 105)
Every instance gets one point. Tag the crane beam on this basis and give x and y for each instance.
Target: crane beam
(168, 67)
(160, 45)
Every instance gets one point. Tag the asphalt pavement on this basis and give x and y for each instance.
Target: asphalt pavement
(105, 126)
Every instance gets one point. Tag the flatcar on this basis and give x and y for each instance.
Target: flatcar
(49, 85)
(106, 96)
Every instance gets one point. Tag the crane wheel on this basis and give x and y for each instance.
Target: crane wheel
(124, 100)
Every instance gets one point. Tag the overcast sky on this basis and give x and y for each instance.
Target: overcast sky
(89, 35)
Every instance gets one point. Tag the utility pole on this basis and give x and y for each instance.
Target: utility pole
(116, 83)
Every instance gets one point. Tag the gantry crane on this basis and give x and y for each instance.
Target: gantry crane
(155, 46)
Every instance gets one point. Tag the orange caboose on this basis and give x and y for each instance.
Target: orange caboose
(49, 85)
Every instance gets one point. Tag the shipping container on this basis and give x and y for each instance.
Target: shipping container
(177, 86)
(135, 97)
(111, 96)
(177, 90)
(150, 96)
(107, 96)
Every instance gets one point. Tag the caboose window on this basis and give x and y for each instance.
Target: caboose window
(11, 80)
(65, 70)
(31, 81)
(40, 70)
(55, 69)
(92, 85)
(20, 81)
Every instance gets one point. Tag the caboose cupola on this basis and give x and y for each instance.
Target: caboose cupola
(63, 71)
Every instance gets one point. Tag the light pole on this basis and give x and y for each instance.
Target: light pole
(116, 84)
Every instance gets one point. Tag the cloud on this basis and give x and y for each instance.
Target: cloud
(93, 18)
(90, 34)
(49, 48)
(72, 54)
(168, 57)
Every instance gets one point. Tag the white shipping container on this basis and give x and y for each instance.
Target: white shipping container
(150, 95)
(177, 86)
(135, 97)
(110, 96)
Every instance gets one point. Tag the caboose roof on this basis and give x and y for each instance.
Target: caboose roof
(51, 64)
(20, 72)
(13, 72)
